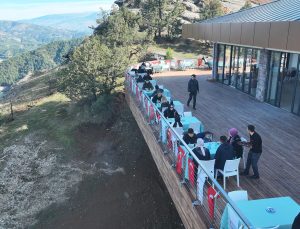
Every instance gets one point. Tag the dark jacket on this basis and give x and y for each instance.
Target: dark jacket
(148, 86)
(156, 98)
(237, 149)
(168, 113)
(256, 143)
(140, 79)
(193, 86)
(202, 135)
(147, 77)
(224, 152)
(199, 154)
(190, 140)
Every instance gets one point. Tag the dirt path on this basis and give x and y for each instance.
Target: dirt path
(128, 192)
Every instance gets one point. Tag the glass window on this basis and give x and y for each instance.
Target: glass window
(241, 66)
(221, 50)
(289, 81)
(227, 70)
(273, 78)
(234, 66)
(254, 71)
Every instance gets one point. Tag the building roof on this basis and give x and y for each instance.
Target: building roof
(279, 10)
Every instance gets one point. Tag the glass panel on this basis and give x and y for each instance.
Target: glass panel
(273, 77)
(247, 69)
(254, 71)
(234, 66)
(240, 68)
(220, 62)
(227, 65)
(289, 81)
(296, 108)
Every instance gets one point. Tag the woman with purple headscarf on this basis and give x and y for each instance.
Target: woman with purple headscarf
(235, 141)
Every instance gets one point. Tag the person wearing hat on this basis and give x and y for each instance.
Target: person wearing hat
(224, 152)
(193, 89)
(236, 142)
(200, 151)
(190, 137)
(148, 86)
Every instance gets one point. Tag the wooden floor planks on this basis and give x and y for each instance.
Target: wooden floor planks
(220, 107)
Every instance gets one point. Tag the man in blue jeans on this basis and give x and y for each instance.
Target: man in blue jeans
(254, 154)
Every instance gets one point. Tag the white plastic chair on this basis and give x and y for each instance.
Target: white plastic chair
(238, 195)
(209, 166)
(161, 86)
(231, 168)
(187, 114)
(179, 130)
(179, 109)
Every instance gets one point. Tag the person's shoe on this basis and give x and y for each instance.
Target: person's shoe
(194, 108)
(244, 174)
(254, 177)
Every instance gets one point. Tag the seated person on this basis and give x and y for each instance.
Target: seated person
(206, 136)
(147, 77)
(157, 98)
(148, 86)
(224, 152)
(140, 79)
(236, 142)
(177, 120)
(296, 223)
(170, 112)
(164, 103)
(155, 91)
(190, 137)
(200, 151)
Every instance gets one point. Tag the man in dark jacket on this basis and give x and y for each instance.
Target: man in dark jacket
(254, 154)
(147, 86)
(193, 89)
(140, 79)
(147, 77)
(190, 137)
(224, 152)
(157, 98)
(155, 91)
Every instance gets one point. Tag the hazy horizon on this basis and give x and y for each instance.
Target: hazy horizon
(20, 9)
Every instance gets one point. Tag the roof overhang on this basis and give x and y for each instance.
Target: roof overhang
(283, 35)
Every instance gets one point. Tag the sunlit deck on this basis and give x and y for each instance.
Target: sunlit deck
(220, 107)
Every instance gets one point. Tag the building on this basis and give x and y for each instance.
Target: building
(257, 51)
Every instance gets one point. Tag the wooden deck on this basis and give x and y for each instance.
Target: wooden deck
(220, 107)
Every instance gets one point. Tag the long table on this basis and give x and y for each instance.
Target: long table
(256, 211)
(186, 122)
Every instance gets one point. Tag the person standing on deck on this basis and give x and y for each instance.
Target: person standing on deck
(193, 89)
(254, 154)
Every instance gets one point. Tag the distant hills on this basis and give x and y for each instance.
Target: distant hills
(76, 22)
(16, 37)
(42, 59)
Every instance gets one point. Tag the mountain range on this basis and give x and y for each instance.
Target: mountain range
(79, 22)
(17, 37)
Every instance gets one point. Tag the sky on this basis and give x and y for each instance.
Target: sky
(26, 9)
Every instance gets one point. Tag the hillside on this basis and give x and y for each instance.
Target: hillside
(76, 22)
(66, 165)
(41, 59)
(16, 37)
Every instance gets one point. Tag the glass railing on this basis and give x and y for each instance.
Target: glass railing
(207, 195)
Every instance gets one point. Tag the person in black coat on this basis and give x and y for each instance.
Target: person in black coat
(296, 223)
(177, 120)
(158, 97)
(190, 137)
(224, 152)
(170, 112)
(207, 136)
(193, 89)
(156, 91)
(147, 77)
(236, 142)
(140, 79)
(148, 86)
(200, 151)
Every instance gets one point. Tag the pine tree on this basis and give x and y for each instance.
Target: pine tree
(211, 9)
(247, 5)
